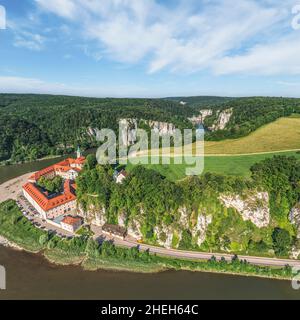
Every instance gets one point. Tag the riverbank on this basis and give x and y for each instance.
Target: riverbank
(11, 188)
(18, 232)
(9, 244)
(10, 163)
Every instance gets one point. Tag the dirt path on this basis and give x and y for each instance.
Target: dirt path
(11, 188)
(144, 153)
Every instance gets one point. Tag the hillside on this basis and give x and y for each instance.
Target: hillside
(239, 117)
(33, 126)
(236, 156)
(238, 165)
(282, 134)
(212, 212)
(201, 101)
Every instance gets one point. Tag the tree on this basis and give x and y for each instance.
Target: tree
(281, 241)
(43, 239)
(90, 162)
(92, 247)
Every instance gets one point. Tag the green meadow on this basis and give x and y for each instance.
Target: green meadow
(229, 165)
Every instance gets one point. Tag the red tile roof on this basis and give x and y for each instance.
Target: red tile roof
(71, 220)
(68, 195)
(62, 166)
(48, 204)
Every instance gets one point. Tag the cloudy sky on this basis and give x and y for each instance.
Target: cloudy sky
(151, 48)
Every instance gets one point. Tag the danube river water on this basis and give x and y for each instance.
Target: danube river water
(30, 276)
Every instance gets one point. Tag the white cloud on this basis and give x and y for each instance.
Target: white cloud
(29, 40)
(25, 38)
(223, 36)
(63, 8)
(32, 85)
(25, 85)
(96, 55)
(281, 57)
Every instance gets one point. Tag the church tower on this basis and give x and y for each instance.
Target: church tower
(78, 152)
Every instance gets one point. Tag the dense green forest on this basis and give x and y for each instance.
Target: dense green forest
(248, 114)
(152, 201)
(201, 101)
(33, 126)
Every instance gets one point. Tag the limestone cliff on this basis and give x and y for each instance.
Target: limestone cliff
(196, 120)
(253, 206)
(94, 215)
(130, 126)
(199, 231)
(222, 120)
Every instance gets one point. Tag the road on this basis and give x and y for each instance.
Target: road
(195, 255)
(11, 189)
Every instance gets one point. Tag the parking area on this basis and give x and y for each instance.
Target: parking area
(34, 217)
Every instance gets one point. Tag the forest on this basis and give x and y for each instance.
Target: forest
(151, 200)
(248, 114)
(34, 126)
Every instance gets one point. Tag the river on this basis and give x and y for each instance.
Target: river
(30, 276)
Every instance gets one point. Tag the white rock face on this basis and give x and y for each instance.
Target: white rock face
(128, 129)
(93, 215)
(162, 128)
(168, 232)
(134, 230)
(122, 219)
(99, 217)
(294, 218)
(205, 113)
(223, 119)
(295, 252)
(199, 230)
(184, 217)
(254, 208)
(201, 117)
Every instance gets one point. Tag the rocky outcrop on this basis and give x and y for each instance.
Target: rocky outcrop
(164, 236)
(223, 118)
(254, 207)
(294, 218)
(93, 215)
(134, 229)
(162, 128)
(205, 113)
(184, 217)
(196, 120)
(128, 129)
(295, 252)
(122, 219)
(199, 231)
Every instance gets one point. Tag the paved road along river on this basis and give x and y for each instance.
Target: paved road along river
(30, 276)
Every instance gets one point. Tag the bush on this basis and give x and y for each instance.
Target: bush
(281, 241)
(43, 239)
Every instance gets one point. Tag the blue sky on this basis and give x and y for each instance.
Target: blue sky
(151, 48)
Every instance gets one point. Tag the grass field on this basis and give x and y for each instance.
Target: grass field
(230, 165)
(236, 156)
(282, 134)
